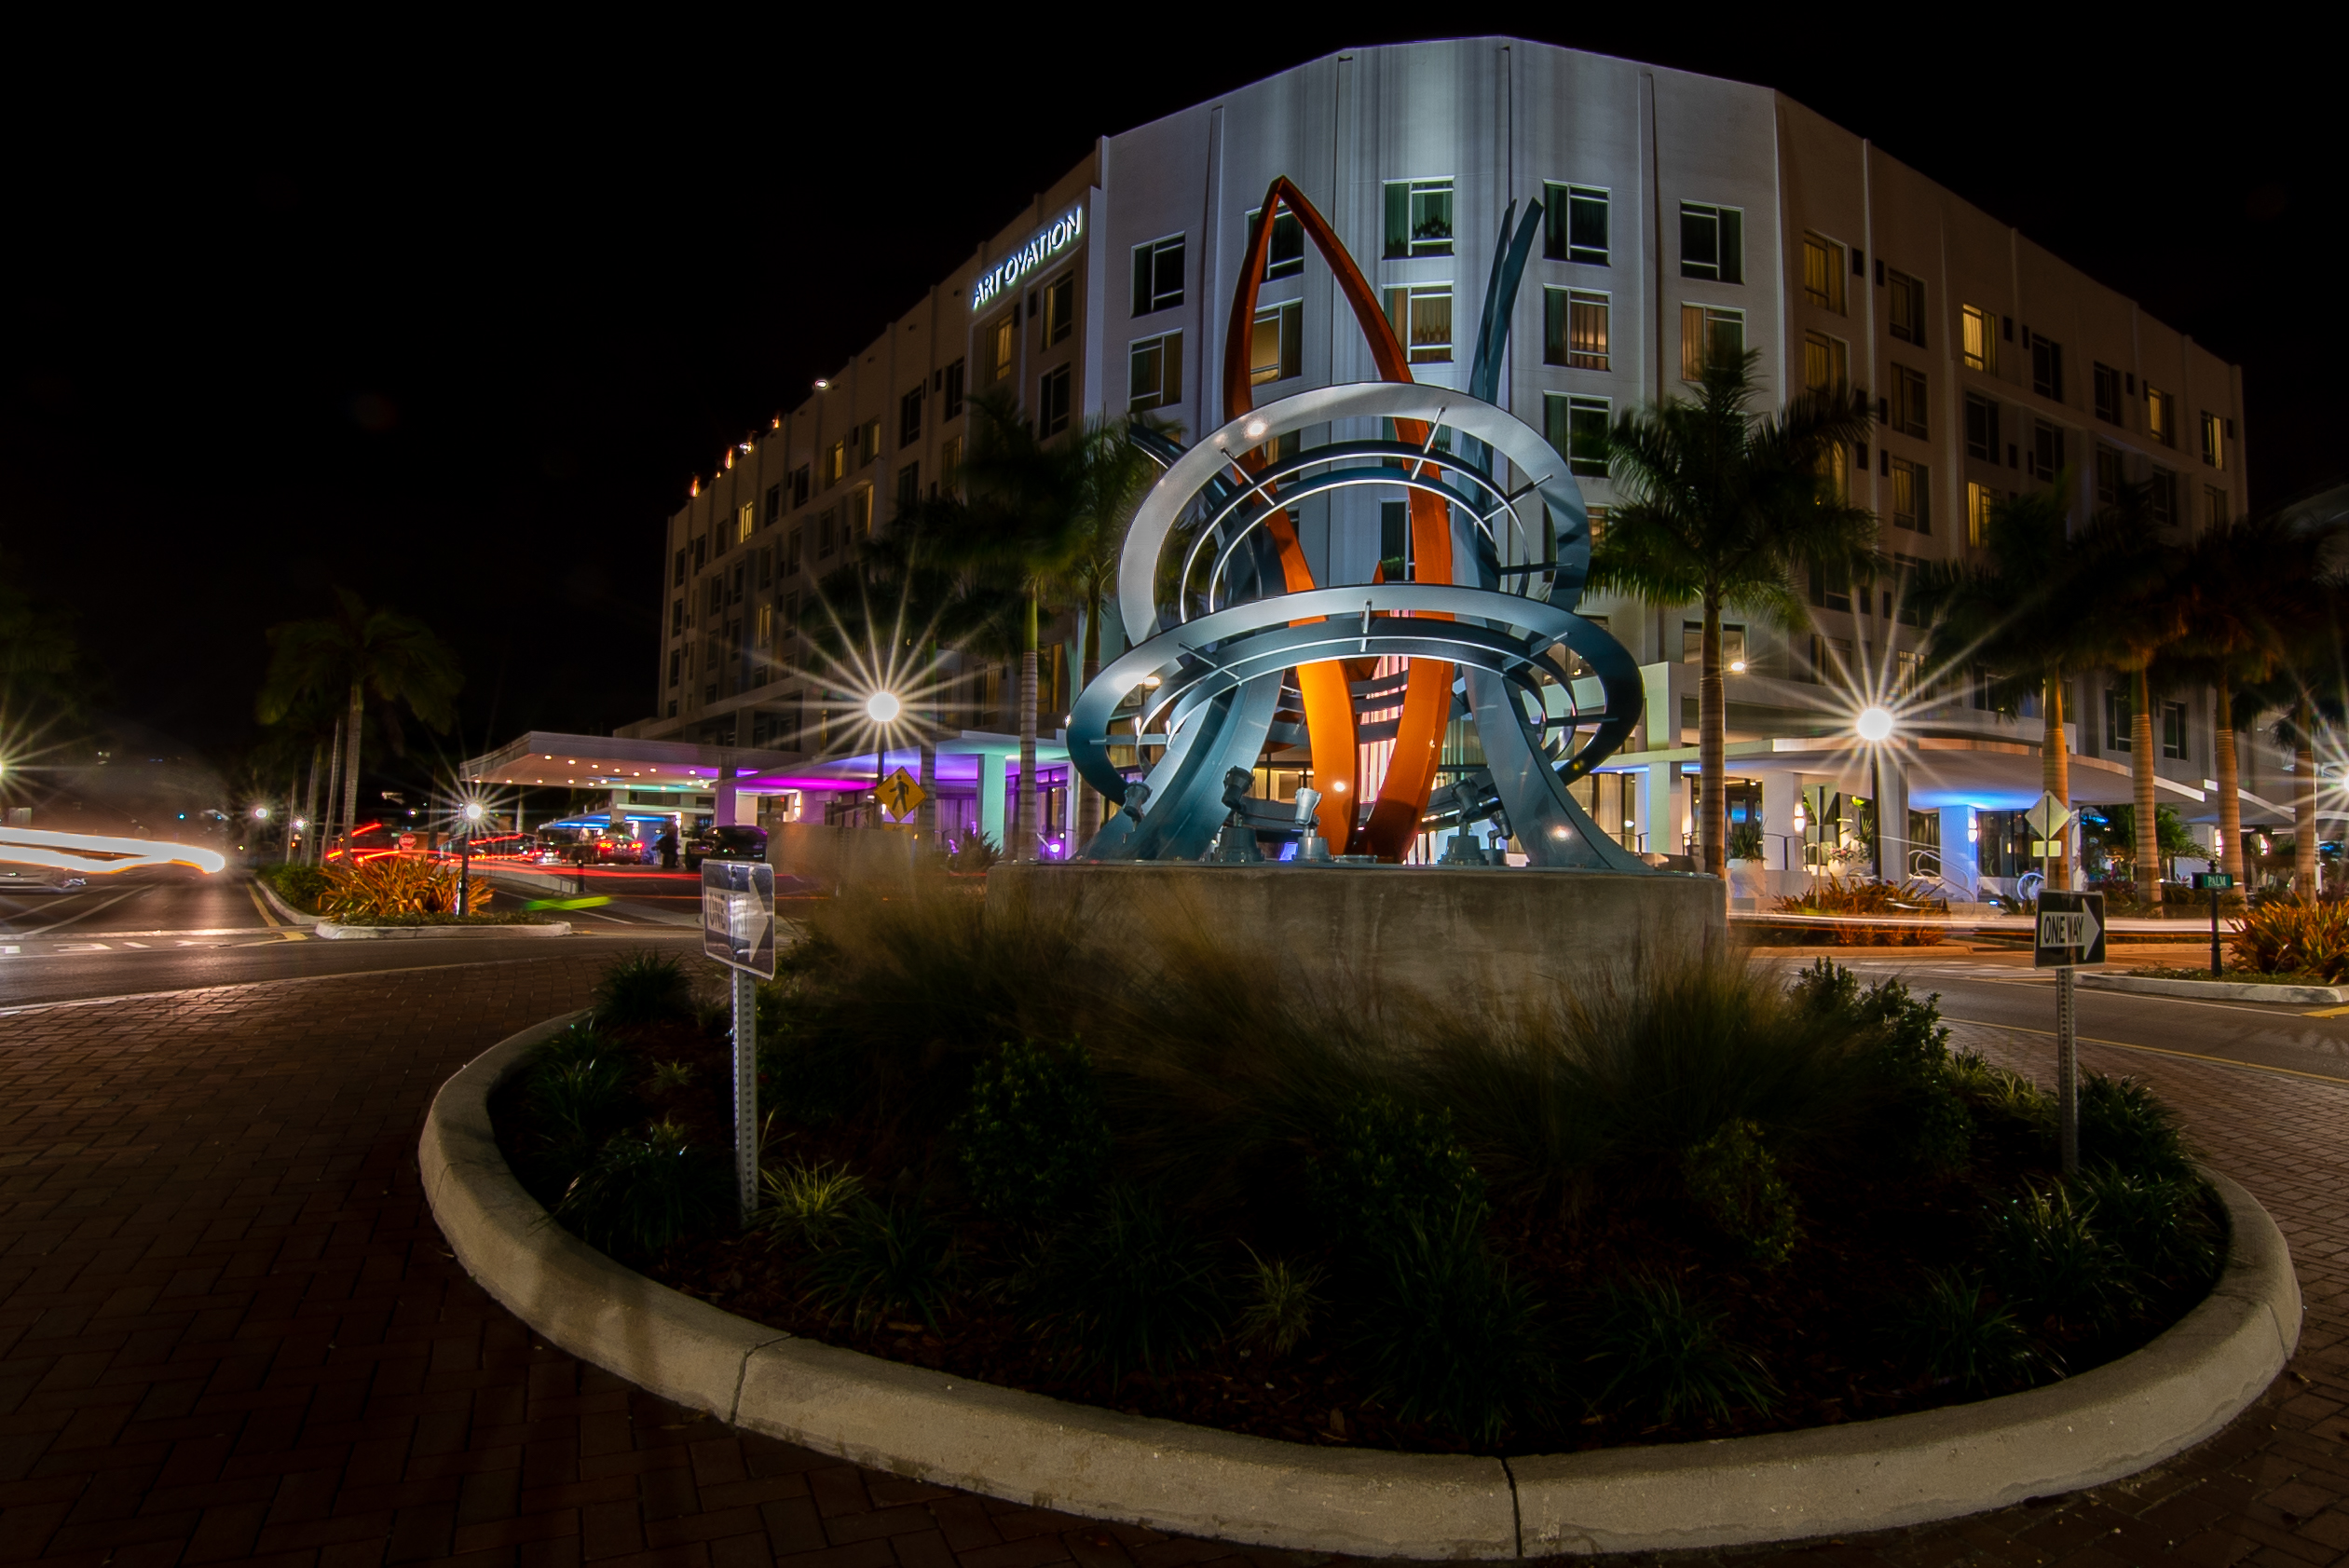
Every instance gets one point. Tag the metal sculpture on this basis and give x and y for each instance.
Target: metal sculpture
(1214, 570)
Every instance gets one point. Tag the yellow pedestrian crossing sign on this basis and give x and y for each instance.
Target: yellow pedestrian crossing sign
(900, 794)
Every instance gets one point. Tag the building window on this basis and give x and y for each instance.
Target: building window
(775, 505)
(800, 486)
(1573, 326)
(2161, 498)
(950, 396)
(1059, 308)
(1394, 540)
(1823, 273)
(860, 513)
(1577, 427)
(827, 533)
(701, 552)
(2047, 451)
(1276, 346)
(1419, 219)
(2174, 731)
(1422, 317)
(1574, 224)
(765, 625)
(1692, 644)
(2105, 384)
(2216, 507)
(1981, 339)
(835, 462)
(908, 488)
(1979, 498)
(1154, 371)
(1912, 497)
(1982, 428)
(791, 553)
(2116, 719)
(1833, 593)
(2214, 441)
(2161, 417)
(677, 617)
(680, 574)
(909, 417)
(1826, 362)
(1707, 332)
(2108, 478)
(1005, 344)
(1712, 242)
(1834, 469)
(1158, 275)
(677, 664)
(1909, 307)
(766, 567)
(1052, 401)
(2047, 367)
(868, 443)
(1598, 536)
(746, 521)
(949, 458)
(1909, 400)
(1285, 257)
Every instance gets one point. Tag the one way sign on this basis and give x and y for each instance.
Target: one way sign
(2071, 928)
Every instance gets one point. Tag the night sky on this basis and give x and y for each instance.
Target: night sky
(454, 324)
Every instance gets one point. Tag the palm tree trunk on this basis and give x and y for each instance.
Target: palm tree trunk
(2055, 772)
(1088, 804)
(2149, 851)
(2304, 800)
(309, 804)
(926, 817)
(1712, 826)
(2230, 796)
(333, 787)
(350, 768)
(1023, 839)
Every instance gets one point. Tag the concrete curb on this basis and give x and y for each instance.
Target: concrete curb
(327, 931)
(2217, 990)
(1875, 1475)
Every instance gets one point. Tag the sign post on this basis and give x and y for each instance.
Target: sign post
(2070, 933)
(737, 930)
(2217, 882)
(2045, 819)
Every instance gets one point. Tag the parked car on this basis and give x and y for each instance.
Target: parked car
(725, 843)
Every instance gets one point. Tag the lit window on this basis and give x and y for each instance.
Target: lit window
(1709, 333)
(2160, 417)
(1419, 218)
(1422, 317)
(1158, 275)
(1912, 497)
(1908, 671)
(835, 463)
(2214, 441)
(1574, 224)
(1007, 345)
(1979, 498)
(1826, 362)
(1577, 429)
(1059, 308)
(745, 519)
(1833, 467)
(1154, 371)
(1052, 401)
(1575, 329)
(1692, 643)
(1276, 344)
(1823, 273)
(1713, 242)
(1981, 345)
(1907, 308)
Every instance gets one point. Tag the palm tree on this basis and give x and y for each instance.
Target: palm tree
(2134, 611)
(361, 652)
(1116, 474)
(2310, 687)
(1721, 506)
(2256, 593)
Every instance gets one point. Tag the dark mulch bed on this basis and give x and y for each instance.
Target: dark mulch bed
(1820, 1324)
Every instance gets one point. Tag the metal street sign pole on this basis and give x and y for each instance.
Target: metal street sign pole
(2217, 882)
(2071, 932)
(737, 930)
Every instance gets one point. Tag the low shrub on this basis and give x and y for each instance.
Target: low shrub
(1034, 1140)
(2295, 936)
(305, 887)
(885, 1261)
(976, 852)
(1655, 1355)
(1923, 1116)
(1443, 1331)
(2047, 1257)
(2161, 1223)
(1283, 1304)
(644, 1190)
(390, 885)
(643, 988)
(1832, 894)
(1959, 1335)
(1734, 1181)
(2121, 1121)
(2001, 1101)
(1383, 1164)
(1127, 1284)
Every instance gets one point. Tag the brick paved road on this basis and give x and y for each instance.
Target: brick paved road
(229, 1331)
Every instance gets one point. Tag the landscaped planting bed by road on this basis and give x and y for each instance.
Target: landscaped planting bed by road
(1695, 1203)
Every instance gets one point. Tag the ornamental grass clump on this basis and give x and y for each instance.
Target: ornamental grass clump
(1832, 894)
(2160, 1223)
(1958, 1333)
(1034, 1140)
(1284, 1303)
(390, 886)
(806, 1201)
(1655, 1355)
(1128, 1283)
(2048, 1257)
(643, 988)
(644, 1190)
(884, 1261)
(2294, 936)
(2121, 1121)
(1443, 1330)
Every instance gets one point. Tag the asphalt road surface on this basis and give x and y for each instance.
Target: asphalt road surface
(163, 930)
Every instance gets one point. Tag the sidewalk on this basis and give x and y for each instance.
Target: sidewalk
(229, 1331)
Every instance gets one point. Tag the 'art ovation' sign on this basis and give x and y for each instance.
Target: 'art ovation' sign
(1049, 243)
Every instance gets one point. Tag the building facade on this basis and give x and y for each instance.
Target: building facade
(1681, 214)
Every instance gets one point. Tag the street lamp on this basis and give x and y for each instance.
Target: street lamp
(882, 709)
(472, 814)
(1873, 726)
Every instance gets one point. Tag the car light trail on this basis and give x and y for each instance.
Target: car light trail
(99, 854)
